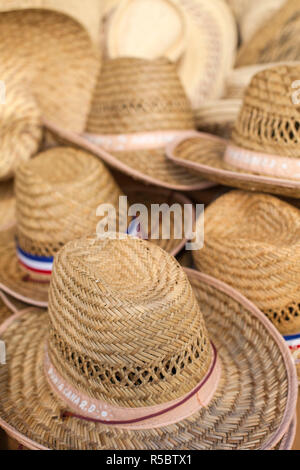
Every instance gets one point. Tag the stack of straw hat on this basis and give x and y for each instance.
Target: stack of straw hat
(107, 341)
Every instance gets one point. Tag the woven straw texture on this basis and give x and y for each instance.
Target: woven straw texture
(125, 103)
(268, 122)
(7, 205)
(89, 17)
(239, 7)
(20, 125)
(239, 79)
(57, 195)
(218, 117)
(276, 40)
(246, 411)
(255, 248)
(61, 63)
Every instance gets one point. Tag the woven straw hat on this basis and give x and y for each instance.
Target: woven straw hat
(20, 122)
(138, 107)
(276, 40)
(7, 205)
(57, 195)
(201, 36)
(161, 366)
(263, 153)
(255, 248)
(239, 7)
(62, 60)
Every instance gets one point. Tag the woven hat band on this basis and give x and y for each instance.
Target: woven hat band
(262, 163)
(137, 141)
(135, 418)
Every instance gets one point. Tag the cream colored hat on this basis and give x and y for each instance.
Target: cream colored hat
(201, 36)
(55, 43)
(276, 40)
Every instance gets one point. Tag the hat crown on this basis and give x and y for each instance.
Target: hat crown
(57, 195)
(136, 95)
(269, 120)
(128, 329)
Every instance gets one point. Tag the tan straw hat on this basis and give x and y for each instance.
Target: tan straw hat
(138, 107)
(20, 121)
(57, 194)
(5, 312)
(132, 356)
(7, 205)
(252, 244)
(263, 153)
(199, 35)
(59, 57)
(218, 117)
(276, 40)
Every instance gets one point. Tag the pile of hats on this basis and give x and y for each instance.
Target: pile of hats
(110, 342)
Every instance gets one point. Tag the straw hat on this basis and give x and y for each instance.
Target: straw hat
(57, 195)
(257, 15)
(252, 243)
(7, 205)
(20, 122)
(138, 107)
(129, 356)
(276, 40)
(263, 153)
(201, 36)
(58, 54)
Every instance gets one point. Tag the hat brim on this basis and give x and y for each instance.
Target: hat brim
(253, 407)
(151, 167)
(203, 154)
(13, 281)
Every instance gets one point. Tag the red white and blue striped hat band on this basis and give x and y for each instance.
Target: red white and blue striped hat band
(36, 264)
